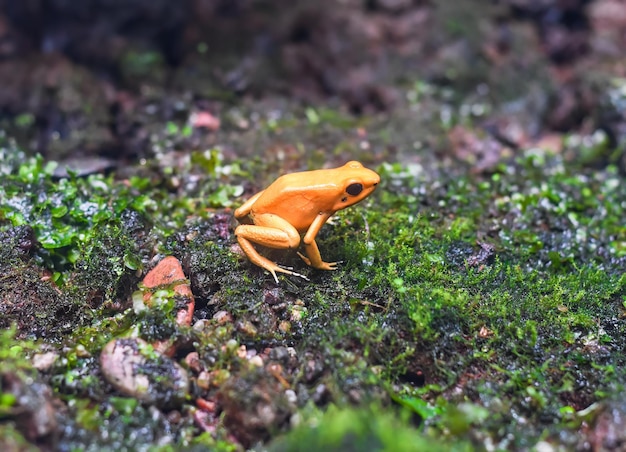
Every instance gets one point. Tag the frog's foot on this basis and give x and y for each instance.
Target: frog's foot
(320, 266)
(287, 270)
(264, 262)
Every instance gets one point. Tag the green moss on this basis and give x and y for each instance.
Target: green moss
(13, 353)
(366, 429)
(15, 370)
(65, 215)
(12, 439)
(457, 295)
(416, 282)
(71, 216)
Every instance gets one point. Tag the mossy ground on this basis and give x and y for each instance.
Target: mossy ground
(469, 310)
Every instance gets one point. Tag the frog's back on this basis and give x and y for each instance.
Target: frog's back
(297, 198)
(301, 197)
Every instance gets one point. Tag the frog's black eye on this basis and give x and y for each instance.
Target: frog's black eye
(354, 189)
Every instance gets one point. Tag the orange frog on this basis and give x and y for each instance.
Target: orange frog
(299, 204)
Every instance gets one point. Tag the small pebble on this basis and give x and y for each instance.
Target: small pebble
(201, 325)
(223, 317)
(44, 361)
(256, 361)
(284, 326)
(134, 368)
(204, 380)
(193, 361)
(246, 327)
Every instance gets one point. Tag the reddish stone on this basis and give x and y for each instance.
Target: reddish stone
(167, 273)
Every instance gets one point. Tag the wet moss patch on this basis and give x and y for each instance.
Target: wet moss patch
(469, 308)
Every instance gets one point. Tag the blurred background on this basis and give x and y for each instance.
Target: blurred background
(94, 77)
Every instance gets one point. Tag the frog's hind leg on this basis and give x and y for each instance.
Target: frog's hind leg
(271, 231)
(264, 262)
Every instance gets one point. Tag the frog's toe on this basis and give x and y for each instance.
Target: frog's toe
(287, 271)
(271, 270)
(304, 258)
(298, 274)
(328, 265)
(331, 265)
(321, 265)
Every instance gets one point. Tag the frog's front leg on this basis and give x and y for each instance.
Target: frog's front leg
(246, 207)
(272, 231)
(314, 258)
